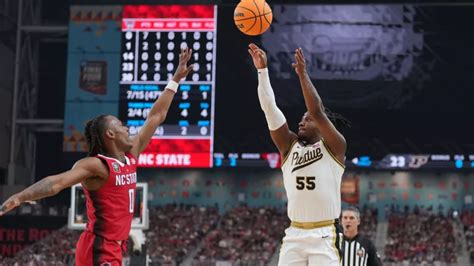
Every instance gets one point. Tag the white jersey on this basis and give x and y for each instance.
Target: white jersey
(312, 178)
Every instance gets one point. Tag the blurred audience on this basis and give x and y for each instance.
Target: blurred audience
(250, 236)
(57, 249)
(245, 236)
(467, 218)
(420, 237)
(368, 223)
(175, 230)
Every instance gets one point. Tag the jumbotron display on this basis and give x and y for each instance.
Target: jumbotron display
(384, 71)
(152, 37)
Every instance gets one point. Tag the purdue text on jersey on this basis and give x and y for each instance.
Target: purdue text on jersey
(309, 157)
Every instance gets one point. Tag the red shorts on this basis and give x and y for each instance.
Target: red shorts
(95, 250)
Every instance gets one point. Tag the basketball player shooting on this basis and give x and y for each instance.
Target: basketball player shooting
(108, 176)
(312, 169)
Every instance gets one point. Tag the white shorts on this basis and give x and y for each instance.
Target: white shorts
(303, 247)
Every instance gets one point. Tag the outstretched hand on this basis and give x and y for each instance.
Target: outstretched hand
(259, 56)
(183, 70)
(300, 65)
(10, 204)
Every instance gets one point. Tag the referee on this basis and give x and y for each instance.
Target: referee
(357, 250)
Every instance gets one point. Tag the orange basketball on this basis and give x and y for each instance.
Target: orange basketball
(253, 17)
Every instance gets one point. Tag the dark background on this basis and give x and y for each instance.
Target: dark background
(434, 119)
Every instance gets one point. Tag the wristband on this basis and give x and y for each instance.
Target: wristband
(172, 85)
(262, 70)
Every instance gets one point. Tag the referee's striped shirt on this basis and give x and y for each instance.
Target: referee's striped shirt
(359, 251)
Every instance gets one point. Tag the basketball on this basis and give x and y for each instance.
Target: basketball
(253, 17)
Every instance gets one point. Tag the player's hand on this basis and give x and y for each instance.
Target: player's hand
(183, 70)
(259, 56)
(10, 204)
(300, 65)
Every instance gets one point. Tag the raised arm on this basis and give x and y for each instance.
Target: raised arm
(279, 130)
(161, 106)
(51, 185)
(331, 136)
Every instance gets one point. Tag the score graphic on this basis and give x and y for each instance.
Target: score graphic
(152, 37)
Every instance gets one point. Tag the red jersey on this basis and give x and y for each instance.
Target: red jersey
(110, 208)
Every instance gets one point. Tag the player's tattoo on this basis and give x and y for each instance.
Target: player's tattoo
(40, 189)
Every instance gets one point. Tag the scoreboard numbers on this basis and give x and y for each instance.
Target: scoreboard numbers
(151, 43)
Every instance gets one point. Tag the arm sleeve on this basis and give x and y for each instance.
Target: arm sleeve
(274, 116)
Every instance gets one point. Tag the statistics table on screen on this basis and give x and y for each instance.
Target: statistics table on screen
(152, 37)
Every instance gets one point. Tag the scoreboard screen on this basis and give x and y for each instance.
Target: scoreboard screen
(152, 37)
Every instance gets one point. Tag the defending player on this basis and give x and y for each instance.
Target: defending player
(312, 168)
(108, 176)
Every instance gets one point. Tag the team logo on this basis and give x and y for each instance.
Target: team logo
(302, 160)
(360, 252)
(416, 161)
(116, 167)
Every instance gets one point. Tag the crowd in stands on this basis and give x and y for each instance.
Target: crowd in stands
(57, 249)
(175, 230)
(467, 218)
(244, 236)
(420, 237)
(368, 222)
(250, 236)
